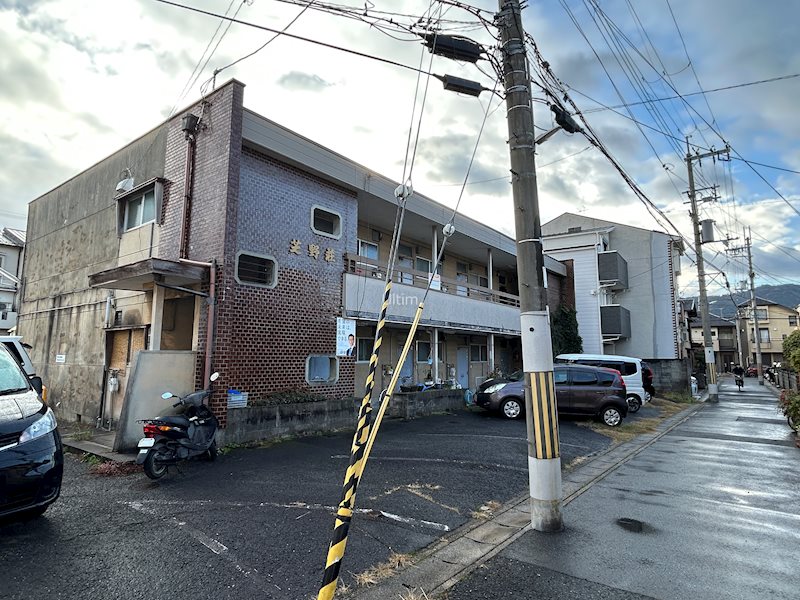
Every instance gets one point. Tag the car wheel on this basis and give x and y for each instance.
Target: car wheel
(154, 469)
(634, 404)
(511, 408)
(611, 416)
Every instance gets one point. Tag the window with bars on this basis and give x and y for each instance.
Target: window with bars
(256, 269)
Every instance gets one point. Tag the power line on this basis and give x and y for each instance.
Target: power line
(291, 35)
(681, 96)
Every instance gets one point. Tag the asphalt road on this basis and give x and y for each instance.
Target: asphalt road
(708, 511)
(256, 523)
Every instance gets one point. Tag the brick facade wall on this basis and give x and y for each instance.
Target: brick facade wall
(265, 335)
(214, 203)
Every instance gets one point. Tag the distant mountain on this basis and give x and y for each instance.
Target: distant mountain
(787, 295)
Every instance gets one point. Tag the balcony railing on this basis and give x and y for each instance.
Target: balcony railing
(367, 267)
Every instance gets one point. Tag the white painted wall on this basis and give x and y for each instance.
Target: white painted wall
(649, 297)
(362, 295)
(587, 300)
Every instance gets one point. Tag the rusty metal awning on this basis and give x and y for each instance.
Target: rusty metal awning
(142, 275)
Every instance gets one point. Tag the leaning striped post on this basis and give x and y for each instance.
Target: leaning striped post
(344, 513)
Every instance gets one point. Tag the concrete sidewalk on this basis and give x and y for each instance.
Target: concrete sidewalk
(706, 507)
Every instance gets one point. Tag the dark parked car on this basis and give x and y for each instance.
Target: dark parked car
(580, 390)
(31, 456)
(515, 376)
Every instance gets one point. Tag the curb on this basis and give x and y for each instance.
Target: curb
(89, 447)
(451, 558)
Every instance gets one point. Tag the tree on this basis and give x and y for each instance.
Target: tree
(564, 331)
(791, 350)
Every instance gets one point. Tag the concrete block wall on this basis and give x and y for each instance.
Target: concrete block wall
(670, 375)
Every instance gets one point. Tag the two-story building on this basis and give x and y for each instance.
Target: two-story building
(12, 254)
(775, 323)
(724, 341)
(626, 292)
(223, 241)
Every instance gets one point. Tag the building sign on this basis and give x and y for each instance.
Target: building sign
(61, 358)
(345, 337)
(313, 250)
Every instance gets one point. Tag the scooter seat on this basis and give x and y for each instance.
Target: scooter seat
(176, 420)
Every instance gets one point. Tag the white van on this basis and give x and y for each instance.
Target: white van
(18, 351)
(630, 368)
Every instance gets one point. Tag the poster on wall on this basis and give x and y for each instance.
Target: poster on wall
(345, 337)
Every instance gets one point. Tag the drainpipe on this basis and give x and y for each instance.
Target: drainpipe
(212, 313)
(189, 126)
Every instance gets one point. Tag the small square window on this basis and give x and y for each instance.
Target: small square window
(256, 269)
(364, 349)
(140, 210)
(423, 351)
(368, 249)
(322, 369)
(326, 222)
(478, 353)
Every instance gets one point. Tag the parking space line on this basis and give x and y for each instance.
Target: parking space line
(145, 506)
(213, 545)
(449, 461)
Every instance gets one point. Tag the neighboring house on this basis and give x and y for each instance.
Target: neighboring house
(625, 290)
(225, 217)
(775, 323)
(12, 253)
(723, 337)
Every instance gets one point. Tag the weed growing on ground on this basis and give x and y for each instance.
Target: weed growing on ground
(82, 435)
(91, 459)
(384, 570)
(487, 510)
(114, 469)
(679, 397)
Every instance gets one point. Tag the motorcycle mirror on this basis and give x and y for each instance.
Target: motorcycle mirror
(167, 395)
(214, 376)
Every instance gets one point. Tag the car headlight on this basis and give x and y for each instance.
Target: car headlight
(39, 428)
(494, 388)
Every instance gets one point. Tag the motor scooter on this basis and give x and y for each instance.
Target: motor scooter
(739, 379)
(170, 439)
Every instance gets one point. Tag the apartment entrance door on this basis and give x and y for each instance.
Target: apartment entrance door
(462, 366)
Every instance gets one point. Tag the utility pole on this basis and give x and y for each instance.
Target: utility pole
(753, 307)
(541, 414)
(711, 369)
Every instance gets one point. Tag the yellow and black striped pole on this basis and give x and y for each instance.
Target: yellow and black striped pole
(344, 512)
(392, 384)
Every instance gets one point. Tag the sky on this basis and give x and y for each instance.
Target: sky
(81, 78)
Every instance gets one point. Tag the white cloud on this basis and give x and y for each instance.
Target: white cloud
(84, 78)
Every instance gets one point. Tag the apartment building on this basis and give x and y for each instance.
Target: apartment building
(775, 323)
(222, 241)
(626, 292)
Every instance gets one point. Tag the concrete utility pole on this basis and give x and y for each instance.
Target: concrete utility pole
(541, 414)
(711, 369)
(754, 306)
